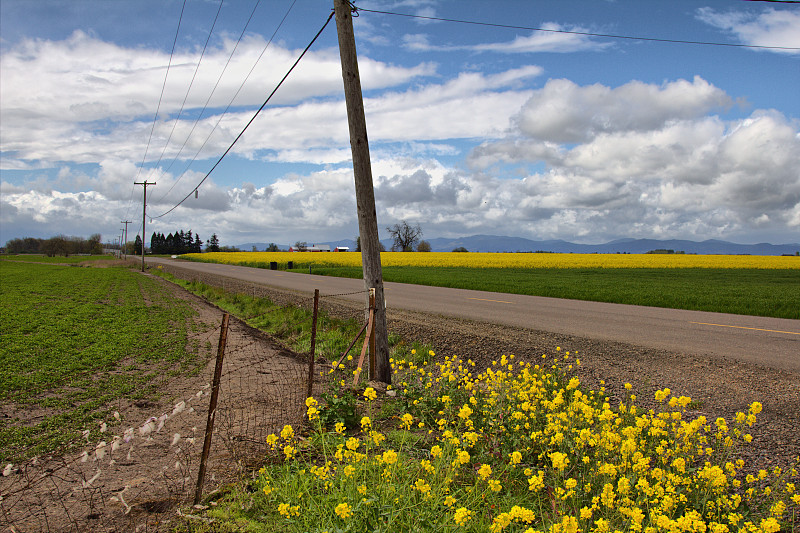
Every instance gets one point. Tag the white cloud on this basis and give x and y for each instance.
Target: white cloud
(648, 158)
(771, 27)
(81, 99)
(565, 112)
(564, 161)
(552, 37)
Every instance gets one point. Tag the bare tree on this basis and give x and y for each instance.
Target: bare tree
(404, 236)
(424, 246)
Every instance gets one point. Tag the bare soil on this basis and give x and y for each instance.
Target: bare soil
(138, 483)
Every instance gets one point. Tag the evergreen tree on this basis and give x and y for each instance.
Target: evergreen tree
(213, 243)
(137, 246)
(188, 242)
(197, 246)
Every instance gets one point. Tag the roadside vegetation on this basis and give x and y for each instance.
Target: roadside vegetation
(516, 447)
(290, 324)
(74, 342)
(745, 285)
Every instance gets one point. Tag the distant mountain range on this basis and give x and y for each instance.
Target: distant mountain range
(496, 243)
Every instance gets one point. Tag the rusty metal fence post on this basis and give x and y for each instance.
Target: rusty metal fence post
(212, 409)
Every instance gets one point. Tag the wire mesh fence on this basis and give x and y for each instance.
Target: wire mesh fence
(135, 477)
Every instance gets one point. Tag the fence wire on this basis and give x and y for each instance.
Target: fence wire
(135, 477)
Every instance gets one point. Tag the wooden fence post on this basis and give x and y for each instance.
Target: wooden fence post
(212, 409)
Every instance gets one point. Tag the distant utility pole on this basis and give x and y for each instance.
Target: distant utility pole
(144, 211)
(365, 194)
(125, 240)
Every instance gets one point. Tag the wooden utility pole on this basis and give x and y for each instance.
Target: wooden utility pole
(144, 211)
(365, 194)
(125, 241)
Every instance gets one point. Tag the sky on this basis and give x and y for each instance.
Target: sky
(473, 128)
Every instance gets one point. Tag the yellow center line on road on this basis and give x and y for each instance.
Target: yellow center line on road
(485, 300)
(743, 327)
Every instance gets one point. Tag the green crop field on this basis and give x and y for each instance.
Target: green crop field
(73, 341)
(759, 292)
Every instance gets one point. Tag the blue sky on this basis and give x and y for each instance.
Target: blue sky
(473, 129)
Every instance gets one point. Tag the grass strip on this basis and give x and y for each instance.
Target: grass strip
(290, 324)
(756, 292)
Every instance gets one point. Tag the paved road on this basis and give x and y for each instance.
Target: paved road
(770, 342)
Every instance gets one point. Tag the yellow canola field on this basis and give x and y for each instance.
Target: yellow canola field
(501, 260)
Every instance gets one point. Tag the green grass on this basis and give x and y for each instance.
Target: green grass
(37, 258)
(757, 292)
(74, 341)
(290, 324)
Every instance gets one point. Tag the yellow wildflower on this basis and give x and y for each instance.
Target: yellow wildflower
(343, 510)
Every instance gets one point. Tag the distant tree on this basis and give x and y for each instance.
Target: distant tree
(188, 243)
(460, 249)
(156, 243)
(229, 249)
(301, 246)
(28, 245)
(404, 236)
(95, 245)
(213, 243)
(61, 245)
(272, 247)
(197, 245)
(137, 246)
(424, 246)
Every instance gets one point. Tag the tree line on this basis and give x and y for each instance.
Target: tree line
(180, 242)
(58, 245)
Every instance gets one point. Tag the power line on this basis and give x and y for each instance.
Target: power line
(158, 108)
(253, 118)
(208, 100)
(233, 98)
(189, 89)
(161, 96)
(572, 32)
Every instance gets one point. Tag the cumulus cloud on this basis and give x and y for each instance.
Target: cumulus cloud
(562, 161)
(650, 158)
(771, 27)
(82, 98)
(564, 112)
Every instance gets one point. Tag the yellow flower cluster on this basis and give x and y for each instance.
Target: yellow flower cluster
(521, 447)
(499, 260)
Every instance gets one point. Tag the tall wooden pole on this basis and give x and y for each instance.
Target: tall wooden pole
(365, 195)
(144, 211)
(125, 239)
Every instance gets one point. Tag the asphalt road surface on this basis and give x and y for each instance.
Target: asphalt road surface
(769, 342)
